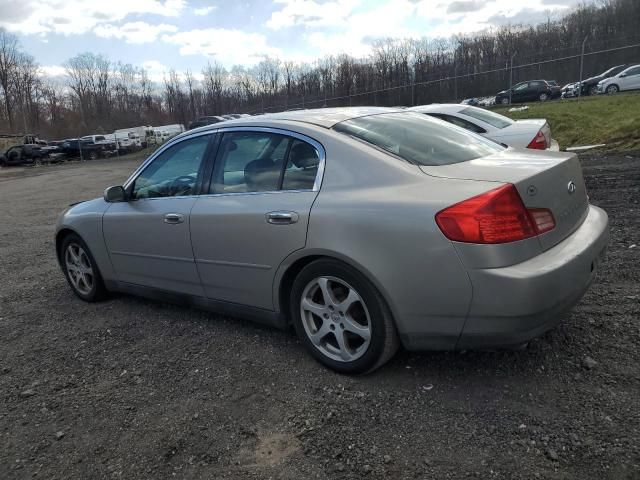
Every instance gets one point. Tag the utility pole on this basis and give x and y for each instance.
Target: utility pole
(511, 76)
(581, 65)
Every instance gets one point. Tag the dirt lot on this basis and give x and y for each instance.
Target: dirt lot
(134, 389)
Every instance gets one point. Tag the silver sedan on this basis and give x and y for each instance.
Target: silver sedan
(365, 229)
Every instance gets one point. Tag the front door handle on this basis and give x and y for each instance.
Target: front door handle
(173, 218)
(282, 218)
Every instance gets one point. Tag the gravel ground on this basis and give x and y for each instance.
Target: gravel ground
(134, 389)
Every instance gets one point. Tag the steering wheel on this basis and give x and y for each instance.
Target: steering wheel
(182, 185)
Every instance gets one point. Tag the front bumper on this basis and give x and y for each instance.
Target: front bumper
(514, 304)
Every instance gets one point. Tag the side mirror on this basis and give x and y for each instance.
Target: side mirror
(115, 194)
(622, 75)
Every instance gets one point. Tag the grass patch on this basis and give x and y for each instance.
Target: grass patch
(610, 119)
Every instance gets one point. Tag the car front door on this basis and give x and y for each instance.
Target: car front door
(263, 185)
(519, 93)
(632, 79)
(148, 236)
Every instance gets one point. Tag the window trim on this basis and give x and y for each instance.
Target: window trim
(278, 131)
(201, 173)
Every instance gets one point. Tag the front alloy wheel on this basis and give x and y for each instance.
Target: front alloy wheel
(79, 269)
(611, 89)
(543, 97)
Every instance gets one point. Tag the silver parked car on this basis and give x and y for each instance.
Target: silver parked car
(363, 228)
(534, 133)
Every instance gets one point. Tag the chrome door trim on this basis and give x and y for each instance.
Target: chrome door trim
(281, 131)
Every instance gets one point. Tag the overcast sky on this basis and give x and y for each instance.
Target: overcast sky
(161, 34)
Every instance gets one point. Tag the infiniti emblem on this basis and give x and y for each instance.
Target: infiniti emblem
(571, 187)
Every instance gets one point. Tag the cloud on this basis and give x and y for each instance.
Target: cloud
(465, 6)
(311, 13)
(70, 17)
(135, 32)
(156, 70)
(52, 71)
(204, 11)
(229, 47)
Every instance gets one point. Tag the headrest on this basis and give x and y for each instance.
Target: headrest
(303, 155)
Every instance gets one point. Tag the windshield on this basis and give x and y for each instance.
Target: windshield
(492, 118)
(418, 138)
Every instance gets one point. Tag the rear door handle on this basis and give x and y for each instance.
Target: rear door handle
(282, 218)
(173, 218)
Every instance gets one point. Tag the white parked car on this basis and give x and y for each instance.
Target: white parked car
(530, 133)
(628, 79)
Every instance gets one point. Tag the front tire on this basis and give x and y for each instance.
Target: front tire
(504, 101)
(612, 89)
(543, 97)
(341, 318)
(81, 270)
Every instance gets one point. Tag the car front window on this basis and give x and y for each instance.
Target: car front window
(418, 138)
(174, 172)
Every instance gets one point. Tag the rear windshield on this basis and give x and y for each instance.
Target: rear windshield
(492, 118)
(418, 138)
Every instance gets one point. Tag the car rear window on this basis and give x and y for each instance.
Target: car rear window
(419, 139)
(492, 118)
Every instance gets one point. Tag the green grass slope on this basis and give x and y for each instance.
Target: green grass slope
(610, 119)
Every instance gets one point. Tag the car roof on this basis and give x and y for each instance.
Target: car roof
(322, 117)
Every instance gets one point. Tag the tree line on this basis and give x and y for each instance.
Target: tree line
(100, 95)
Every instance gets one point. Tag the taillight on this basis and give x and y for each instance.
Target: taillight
(497, 216)
(539, 142)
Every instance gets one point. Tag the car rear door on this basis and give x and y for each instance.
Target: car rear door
(148, 236)
(263, 185)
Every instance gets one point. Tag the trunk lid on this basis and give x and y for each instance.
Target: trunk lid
(543, 180)
(521, 132)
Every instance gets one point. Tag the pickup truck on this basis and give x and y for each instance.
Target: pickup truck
(23, 155)
(87, 148)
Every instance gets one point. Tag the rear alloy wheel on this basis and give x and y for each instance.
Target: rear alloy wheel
(611, 89)
(81, 270)
(341, 318)
(543, 97)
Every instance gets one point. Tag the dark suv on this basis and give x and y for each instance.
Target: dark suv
(530, 91)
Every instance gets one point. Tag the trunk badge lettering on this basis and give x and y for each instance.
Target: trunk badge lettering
(571, 187)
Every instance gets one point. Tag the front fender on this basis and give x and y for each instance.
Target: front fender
(85, 220)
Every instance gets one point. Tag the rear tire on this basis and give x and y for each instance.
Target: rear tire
(81, 270)
(341, 318)
(543, 97)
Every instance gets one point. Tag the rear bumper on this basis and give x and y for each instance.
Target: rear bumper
(514, 304)
(554, 147)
